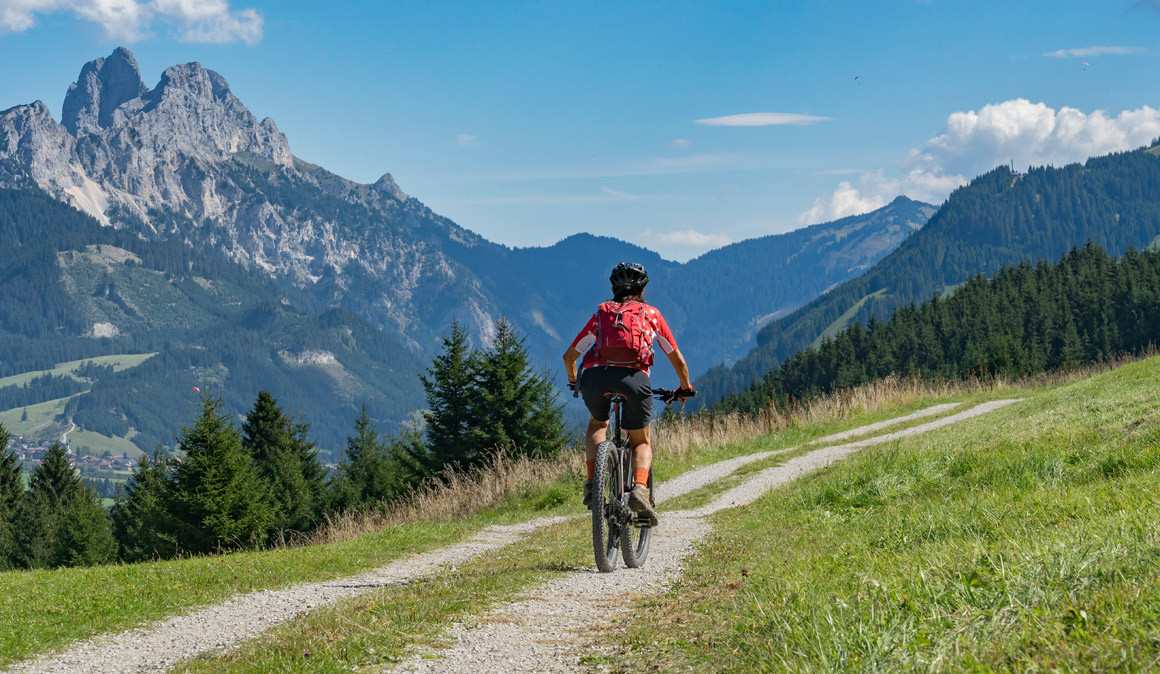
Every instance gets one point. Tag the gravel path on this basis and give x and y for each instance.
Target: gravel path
(566, 618)
(161, 645)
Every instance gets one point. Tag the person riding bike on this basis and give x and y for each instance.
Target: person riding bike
(620, 335)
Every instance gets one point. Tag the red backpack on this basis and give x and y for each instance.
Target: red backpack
(621, 334)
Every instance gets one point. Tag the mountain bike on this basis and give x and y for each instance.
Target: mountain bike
(616, 528)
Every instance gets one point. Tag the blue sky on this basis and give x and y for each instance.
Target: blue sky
(529, 121)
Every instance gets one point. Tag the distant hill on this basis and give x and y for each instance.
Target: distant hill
(71, 289)
(1000, 218)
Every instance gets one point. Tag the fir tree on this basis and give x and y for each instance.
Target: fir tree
(287, 461)
(218, 498)
(452, 391)
(367, 474)
(514, 408)
(141, 522)
(11, 494)
(61, 522)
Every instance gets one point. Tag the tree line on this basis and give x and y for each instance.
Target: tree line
(261, 482)
(1001, 218)
(1026, 319)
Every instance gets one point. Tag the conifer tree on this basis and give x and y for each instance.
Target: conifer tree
(287, 461)
(514, 408)
(367, 474)
(141, 522)
(61, 522)
(11, 494)
(452, 393)
(218, 498)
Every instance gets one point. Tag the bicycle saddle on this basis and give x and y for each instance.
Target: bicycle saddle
(615, 397)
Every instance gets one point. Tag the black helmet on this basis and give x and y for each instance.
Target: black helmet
(628, 275)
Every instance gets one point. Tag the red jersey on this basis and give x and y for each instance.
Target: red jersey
(658, 330)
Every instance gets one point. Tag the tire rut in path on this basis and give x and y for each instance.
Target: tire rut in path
(165, 643)
(565, 619)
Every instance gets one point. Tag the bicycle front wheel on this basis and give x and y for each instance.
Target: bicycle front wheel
(606, 496)
(636, 536)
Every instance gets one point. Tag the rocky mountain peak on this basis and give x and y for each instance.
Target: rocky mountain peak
(103, 86)
(388, 186)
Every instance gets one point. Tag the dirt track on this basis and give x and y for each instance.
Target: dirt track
(547, 630)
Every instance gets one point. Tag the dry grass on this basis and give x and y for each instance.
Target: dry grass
(457, 494)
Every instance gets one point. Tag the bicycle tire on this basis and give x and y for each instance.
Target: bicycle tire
(606, 493)
(635, 538)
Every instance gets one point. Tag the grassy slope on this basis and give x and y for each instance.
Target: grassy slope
(119, 362)
(844, 320)
(1023, 540)
(40, 416)
(47, 609)
(380, 626)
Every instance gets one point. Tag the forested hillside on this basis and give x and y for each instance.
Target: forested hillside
(1001, 218)
(1027, 319)
(63, 276)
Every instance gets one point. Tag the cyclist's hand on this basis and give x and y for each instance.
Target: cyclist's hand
(684, 394)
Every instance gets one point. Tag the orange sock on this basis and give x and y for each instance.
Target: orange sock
(591, 463)
(640, 476)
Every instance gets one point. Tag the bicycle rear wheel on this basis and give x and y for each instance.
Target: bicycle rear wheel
(636, 536)
(606, 495)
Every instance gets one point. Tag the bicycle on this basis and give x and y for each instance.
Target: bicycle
(616, 528)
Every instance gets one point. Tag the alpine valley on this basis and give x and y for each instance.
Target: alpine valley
(171, 221)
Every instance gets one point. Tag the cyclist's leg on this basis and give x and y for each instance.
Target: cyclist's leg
(641, 454)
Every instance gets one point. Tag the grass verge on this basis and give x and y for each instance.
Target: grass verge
(1023, 540)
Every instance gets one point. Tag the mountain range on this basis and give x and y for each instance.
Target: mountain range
(1001, 218)
(185, 167)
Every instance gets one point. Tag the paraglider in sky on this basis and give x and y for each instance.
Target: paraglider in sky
(858, 79)
(197, 389)
(1084, 65)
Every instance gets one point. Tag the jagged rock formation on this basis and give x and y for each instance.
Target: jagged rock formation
(103, 86)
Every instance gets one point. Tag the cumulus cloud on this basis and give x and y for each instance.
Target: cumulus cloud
(763, 119)
(1086, 52)
(973, 142)
(467, 140)
(688, 238)
(129, 20)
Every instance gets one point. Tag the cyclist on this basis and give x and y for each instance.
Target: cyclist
(620, 335)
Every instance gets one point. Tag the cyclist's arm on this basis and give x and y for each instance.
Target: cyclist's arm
(570, 357)
(680, 366)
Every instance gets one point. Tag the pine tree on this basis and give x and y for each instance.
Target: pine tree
(218, 498)
(61, 522)
(452, 392)
(287, 461)
(372, 470)
(141, 522)
(514, 408)
(11, 494)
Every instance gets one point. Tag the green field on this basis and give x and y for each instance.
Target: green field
(845, 319)
(40, 416)
(1025, 540)
(119, 362)
(97, 443)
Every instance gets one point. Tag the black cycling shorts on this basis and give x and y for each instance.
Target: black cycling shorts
(630, 382)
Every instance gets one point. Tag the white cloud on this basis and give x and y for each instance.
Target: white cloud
(1086, 52)
(688, 238)
(467, 140)
(763, 119)
(129, 20)
(973, 142)
(679, 143)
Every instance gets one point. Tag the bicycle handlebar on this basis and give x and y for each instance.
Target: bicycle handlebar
(668, 396)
